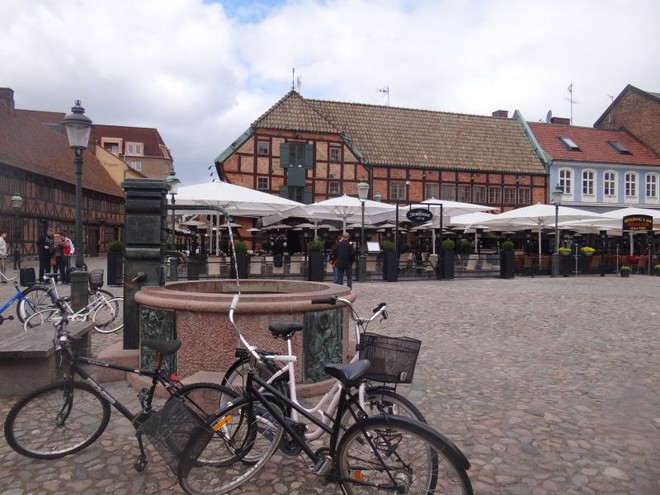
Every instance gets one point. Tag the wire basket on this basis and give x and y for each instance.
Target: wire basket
(95, 278)
(393, 359)
(178, 434)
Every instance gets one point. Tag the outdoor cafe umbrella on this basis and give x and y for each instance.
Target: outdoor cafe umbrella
(539, 215)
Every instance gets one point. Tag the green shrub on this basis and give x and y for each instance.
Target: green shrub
(508, 245)
(388, 246)
(115, 246)
(465, 246)
(448, 244)
(240, 246)
(315, 244)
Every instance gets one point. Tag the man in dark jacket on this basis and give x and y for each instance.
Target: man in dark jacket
(344, 256)
(45, 247)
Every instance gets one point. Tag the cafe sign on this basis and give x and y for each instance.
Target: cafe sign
(419, 215)
(638, 223)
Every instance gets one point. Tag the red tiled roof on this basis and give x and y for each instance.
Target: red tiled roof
(27, 144)
(593, 144)
(404, 137)
(150, 137)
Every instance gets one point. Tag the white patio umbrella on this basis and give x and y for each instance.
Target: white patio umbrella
(348, 209)
(539, 215)
(471, 222)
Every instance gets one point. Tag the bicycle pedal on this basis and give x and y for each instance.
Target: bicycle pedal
(323, 467)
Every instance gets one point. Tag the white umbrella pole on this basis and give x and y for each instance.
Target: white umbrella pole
(540, 238)
(433, 240)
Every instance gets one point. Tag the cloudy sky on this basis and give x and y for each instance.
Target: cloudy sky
(202, 71)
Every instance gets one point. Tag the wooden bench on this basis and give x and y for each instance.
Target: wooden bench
(28, 359)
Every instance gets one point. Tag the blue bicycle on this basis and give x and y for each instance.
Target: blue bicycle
(28, 302)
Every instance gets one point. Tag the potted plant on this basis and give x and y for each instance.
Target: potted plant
(390, 262)
(657, 270)
(624, 270)
(507, 260)
(564, 251)
(447, 259)
(587, 250)
(115, 263)
(240, 247)
(315, 260)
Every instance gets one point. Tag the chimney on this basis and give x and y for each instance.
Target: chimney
(501, 113)
(7, 100)
(560, 120)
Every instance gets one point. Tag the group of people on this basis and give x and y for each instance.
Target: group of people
(55, 251)
(342, 258)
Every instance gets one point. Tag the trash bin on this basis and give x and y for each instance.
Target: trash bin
(173, 263)
(194, 265)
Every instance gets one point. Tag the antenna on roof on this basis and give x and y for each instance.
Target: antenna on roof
(298, 83)
(548, 117)
(610, 117)
(571, 100)
(293, 77)
(385, 90)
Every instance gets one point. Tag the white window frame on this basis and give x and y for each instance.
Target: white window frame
(589, 185)
(135, 164)
(651, 188)
(631, 186)
(431, 191)
(610, 186)
(397, 191)
(263, 184)
(334, 154)
(334, 187)
(565, 181)
(134, 149)
(266, 147)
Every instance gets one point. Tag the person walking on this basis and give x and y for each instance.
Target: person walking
(344, 255)
(45, 245)
(67, 252)
(3, 254)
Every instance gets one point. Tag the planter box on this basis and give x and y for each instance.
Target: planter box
(115, 268)
(507, 264)
(242, 262)
(625, 273)
(315, 266)
(446, 265)
(390, 266)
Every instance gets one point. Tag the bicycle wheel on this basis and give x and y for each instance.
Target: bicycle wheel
(45, 316)
(244, 428)
(56, 420)
(109, 316)
(34, 299)
(236, 375)
(93, 295)
(399, 455)
(383, 400)
(206, 399)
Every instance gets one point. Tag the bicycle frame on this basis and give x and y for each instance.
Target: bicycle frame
(16, 297)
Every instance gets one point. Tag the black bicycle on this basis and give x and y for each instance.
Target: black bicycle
(67, 416)
(377, 454)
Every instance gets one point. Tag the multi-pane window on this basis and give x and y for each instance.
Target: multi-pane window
(524, 196)
(509, 195)
(631, 184)
(448, 191)
(397, 191)
(262, 183)
(479, 194)
(652, 185)
(566, 180)
(333, 187)
(134, 149)
(494, 194)
(588, 182)
(135, 165)
(263, 148)
(464, 194)
(335, 154)
(609, 184)
(431, 191)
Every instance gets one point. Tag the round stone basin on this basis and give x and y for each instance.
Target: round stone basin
(200, 315)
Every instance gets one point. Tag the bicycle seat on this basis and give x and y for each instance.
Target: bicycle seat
(163, 347)
(350, 374)
(284, 329)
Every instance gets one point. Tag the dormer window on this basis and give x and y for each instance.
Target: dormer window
(569, 143)
(620, 149)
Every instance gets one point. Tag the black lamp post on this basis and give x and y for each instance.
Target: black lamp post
(78, 128)
(556, 201)
(363, 193)
(173, 181)
(17, 204)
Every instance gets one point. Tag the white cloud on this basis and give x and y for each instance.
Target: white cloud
(202, 71)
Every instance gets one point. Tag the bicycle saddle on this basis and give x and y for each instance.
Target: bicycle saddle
(163, 347)
(284, 329)
(350, 374)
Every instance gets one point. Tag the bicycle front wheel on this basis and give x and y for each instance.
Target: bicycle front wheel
(45, 316)
(56, 420)
(392, 454)
(35, 298)
(243, 429)
(109, 316)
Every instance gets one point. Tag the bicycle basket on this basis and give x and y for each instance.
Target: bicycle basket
(178, 434)
(393, 359)
(95, 279)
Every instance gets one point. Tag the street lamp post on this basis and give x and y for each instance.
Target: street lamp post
(556, 201)
(17, 204)
(363, 192)
(173, 181)
(78, 128)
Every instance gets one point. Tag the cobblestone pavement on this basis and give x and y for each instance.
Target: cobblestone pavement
(549, 386)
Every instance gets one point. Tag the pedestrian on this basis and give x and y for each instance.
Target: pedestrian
(67, 250)
(45, 245)
(3, 254)
(333, 260)
(344, 254)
